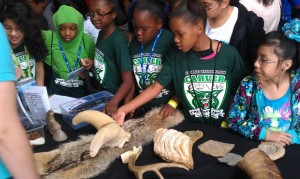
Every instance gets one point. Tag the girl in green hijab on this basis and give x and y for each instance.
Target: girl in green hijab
(67, 45)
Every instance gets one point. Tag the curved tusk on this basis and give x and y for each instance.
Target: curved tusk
(93, 117)
(107, 133)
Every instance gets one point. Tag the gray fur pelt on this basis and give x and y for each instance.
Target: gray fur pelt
(72, 160)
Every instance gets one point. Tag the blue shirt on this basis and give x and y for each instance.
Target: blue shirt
(7, 73)
(276, 114)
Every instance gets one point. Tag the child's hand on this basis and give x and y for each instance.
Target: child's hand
(119, 117)
(167, 110)
(282, 138)
(110, 108)
(86, 63)
(18, 72)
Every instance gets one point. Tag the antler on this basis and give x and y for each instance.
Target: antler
(140, 170)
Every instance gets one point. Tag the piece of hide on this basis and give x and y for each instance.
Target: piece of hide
(72, 160)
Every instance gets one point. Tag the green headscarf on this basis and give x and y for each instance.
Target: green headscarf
(66, 14)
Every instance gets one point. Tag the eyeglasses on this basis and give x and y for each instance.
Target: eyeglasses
(99, 15)
(264, 62)
(9, 30)
(208, 8)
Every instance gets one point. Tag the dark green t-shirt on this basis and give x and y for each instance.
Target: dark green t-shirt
(111, 59)
(154, 66)
(74, 87)
(27, 63)
(193, 82)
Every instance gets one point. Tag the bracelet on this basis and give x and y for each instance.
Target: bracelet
(173, 103)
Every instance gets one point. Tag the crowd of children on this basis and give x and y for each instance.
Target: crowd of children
(213, 58)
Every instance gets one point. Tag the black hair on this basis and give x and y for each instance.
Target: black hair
(39, 1)
(266, 2)
(80, 6)
(191, 11)
(154, 7)
(283, 47)
(174, 2)
(121, 18)
(21, 14)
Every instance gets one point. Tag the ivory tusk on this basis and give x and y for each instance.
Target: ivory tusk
(93, 117)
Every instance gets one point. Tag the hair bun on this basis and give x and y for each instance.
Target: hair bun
(292, 29)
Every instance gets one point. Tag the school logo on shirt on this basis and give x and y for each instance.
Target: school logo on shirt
(146, 71)
(100, 66)
(202, 97)
(28, 68)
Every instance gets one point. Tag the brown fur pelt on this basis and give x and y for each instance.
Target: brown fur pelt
(72, 160)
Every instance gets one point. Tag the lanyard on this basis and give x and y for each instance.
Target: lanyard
(144, 76)
(17, 62)
(65, 57)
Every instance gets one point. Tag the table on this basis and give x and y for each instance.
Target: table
(205, 166)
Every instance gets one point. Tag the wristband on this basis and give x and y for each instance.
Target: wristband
(173, 103)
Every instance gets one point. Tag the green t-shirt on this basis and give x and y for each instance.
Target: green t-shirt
(154, 66)
(74, 87)
(192, 79)
(59, 84)
(27, 63)
(111, 59)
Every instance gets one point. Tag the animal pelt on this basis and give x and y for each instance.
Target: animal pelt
(72, 160)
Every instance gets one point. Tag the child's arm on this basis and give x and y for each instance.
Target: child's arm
(112, 106)
(40, 74)
(242, 116)
(169, 109)
(150, 93)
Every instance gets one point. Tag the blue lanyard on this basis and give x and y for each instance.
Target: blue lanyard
(65, 57)
(144, 76)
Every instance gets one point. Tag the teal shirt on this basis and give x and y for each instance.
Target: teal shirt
(7, 73)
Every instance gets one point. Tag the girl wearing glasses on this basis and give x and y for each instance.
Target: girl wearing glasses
(204, 72)
(69, 49)
(26, 41)
(236, 26)
(112, 64)
(266, 105)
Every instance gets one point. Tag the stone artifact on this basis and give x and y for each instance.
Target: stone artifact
(215, 148)
(54, 127)
(273, 149)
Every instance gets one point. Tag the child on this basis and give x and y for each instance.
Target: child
(89, 28)
(150, 43)
(266, 105)
(112, 64)
(204, 72)
(236, 26)
(269, 10)
(26, 41)
(16, 152)
(38, 7)
(67, 45)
